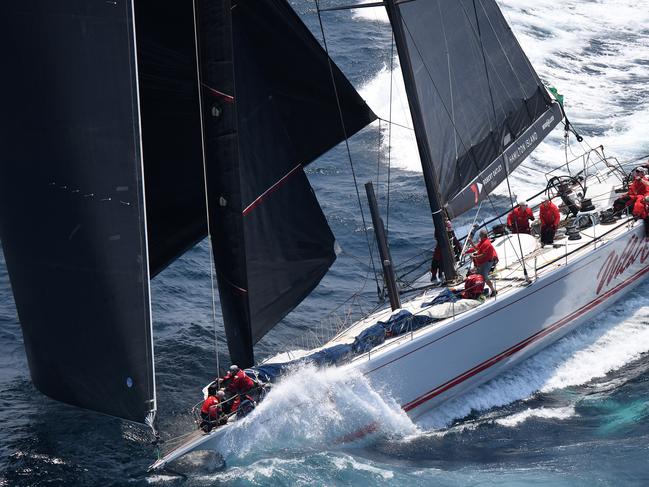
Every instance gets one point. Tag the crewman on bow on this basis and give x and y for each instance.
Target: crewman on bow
(473, 285)
(211, 409)
(237, 381)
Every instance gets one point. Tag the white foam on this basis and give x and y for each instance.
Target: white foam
(314, 409)
(547, 413)
(347, 462)
(590, 352)
(404, 153)
(376, 14)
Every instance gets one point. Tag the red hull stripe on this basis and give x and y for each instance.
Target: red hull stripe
(270, 190)
(521, 345)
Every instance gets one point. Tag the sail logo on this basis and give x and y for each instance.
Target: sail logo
(525, 146)
(615, 265)
(492, 174)
(547, 123)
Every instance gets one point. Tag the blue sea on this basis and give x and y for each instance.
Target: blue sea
(575, 414)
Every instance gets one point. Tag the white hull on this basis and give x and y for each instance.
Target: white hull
(424, 368)
(459, 354)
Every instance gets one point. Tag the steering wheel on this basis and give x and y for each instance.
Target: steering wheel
(556, 185)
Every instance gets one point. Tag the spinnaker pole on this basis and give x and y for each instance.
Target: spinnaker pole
(432, 185)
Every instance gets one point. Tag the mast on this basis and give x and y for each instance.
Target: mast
(432, 186)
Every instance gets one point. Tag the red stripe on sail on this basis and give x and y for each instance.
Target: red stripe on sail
(219, 94)
(270, 190)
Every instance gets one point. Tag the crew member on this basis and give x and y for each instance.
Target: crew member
(519, 218)
(242, 405)
(638, 187)
(436, 264)
(238, 381)
(641, 211)
(484, 258)
(550, 217)
(210, 409)
(473, 285)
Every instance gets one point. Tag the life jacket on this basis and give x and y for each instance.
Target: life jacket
(640, 207)
(473, 286)
(549, 215)
(210, 407)
(518, 219)
(241, 383)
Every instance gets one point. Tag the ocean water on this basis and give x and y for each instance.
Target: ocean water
(577, 413)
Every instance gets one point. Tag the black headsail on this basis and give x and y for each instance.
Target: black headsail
(484, 108)
(269, 109)
(72, 212)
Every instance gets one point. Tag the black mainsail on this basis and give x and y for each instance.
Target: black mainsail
(269, 109)
(72, 210)
(171, 129)
(484, 107)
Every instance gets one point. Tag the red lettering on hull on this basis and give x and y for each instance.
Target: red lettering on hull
(615, 265)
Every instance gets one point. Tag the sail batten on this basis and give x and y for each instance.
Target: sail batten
(475, 86)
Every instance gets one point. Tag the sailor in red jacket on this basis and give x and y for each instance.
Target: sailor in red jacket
(237, 381)
(519, 218)
(550, 217)
(211, 409)
(484, 258)
(641, 211)
(640, 184)
(473, 285)
(638, 187)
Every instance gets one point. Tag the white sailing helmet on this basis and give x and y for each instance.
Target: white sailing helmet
(220, 393)
(522, 202)
(234, 369)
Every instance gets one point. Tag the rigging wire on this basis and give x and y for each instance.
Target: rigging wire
(207, 203)
(387, 218)
(349, 154)
(460, 138)
(501, 145)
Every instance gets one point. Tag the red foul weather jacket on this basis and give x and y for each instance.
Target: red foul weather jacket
(549, 215)
(519, 219)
